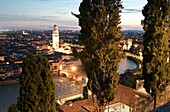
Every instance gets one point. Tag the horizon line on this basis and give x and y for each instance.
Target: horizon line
(123, 27)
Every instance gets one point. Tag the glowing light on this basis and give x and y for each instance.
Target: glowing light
(73, 68)
(61, 67)
(136, 45)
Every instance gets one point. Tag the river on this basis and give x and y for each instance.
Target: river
(8, 96)
(126, 64)
(9, 93)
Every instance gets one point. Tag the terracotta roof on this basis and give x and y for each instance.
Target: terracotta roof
(89, 108)
(77, 106)
(125, 95)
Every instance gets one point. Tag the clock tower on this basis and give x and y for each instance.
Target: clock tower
(55, 38)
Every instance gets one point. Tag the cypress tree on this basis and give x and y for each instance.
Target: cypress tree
(37, 89)
(100, 34)
(13, 108)
(156, 51)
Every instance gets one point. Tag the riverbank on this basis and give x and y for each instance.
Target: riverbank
(138, 69)
(135, 60)
(134, 56)
(8, 82)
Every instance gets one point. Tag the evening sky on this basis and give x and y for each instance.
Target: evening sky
(43, 14)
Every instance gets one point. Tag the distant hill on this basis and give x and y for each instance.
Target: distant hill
(133, 31)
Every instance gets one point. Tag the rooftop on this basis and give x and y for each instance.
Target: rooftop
(125, 95)
(66, 88)
(77, 106)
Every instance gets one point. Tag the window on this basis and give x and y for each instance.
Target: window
(123, 106)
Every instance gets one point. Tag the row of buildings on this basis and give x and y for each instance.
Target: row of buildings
(16, 45)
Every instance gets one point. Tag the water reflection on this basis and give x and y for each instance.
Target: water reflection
(126, 64)
(8, 96)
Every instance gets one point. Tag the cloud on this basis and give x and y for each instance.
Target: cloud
(34, 22)
(61, 12)
(4, 17)
(131, 11)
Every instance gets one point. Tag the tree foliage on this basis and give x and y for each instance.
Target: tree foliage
(13, 108)
(100, 34)
(156, 49)
(128, 80)
(37, 89)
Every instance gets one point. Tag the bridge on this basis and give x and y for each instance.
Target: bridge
(133, 55)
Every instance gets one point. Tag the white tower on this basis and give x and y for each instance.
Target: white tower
(55, 38)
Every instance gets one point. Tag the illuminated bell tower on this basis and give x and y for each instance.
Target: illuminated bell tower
(55, 38)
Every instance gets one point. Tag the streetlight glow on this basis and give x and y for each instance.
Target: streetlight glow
(73, 68)
(61, 67)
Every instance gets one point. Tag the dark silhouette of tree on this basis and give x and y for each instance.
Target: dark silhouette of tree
(128, 79)
(13, 108)
(37, 89)
(156, 51)
(100, 34)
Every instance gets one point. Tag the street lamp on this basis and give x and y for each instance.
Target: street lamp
(168, 60)
(61, 67)
(73, 68)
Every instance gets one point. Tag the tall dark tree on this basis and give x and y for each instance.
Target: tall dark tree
(37, 89)
(100, 34)
(13, 108)
(156, 51)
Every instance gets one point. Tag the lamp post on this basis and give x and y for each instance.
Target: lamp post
(73, 68)
(168, 60)
(60, 68)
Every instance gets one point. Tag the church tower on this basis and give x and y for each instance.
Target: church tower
(55, 38)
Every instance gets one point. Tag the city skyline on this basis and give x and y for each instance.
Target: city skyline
(43, 14)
